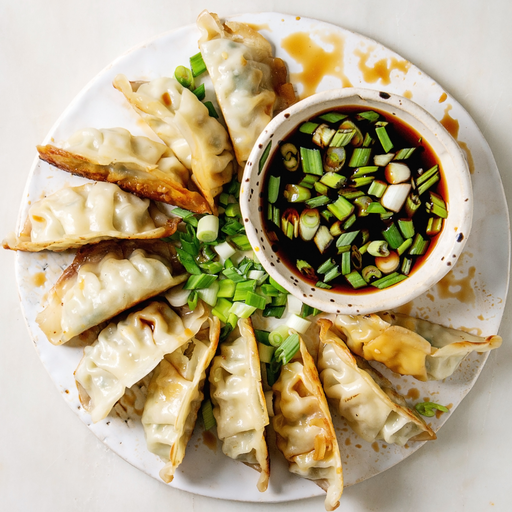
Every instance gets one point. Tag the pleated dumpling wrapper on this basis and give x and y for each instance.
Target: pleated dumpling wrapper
(175, 395)
(127, 350)
(364, 397)
(104, 280)
(239, 405)
(410, 346)
(174, 111)
(250, 84)
(77, 216)
(136, 164)
(303, 425)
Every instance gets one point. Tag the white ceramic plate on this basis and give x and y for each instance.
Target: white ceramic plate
(472, 296)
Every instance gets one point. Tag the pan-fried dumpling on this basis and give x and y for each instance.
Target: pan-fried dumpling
(137, 164)
(128, 350)
(399, 342)
(76, 216)
(249, 82)
(239, 403)
(174, 397)
(104, 280)
(171, 109)
(304, 430)
(364, 397)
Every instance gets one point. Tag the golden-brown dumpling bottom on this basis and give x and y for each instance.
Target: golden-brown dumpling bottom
(411, 346)
(363, 396)
(304, 430)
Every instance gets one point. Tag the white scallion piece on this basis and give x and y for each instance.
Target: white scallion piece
(297, 323)
(208, 228)
(177, 296)
(383, 160)
(224, 250)
(397, 172)
(209, 295)
(241, 310)
(395, 196)
(294, 305)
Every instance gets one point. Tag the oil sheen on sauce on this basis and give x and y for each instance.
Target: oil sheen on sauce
(315, 60)
(381, 69)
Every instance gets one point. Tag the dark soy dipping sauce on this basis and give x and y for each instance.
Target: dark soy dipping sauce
(402, 136)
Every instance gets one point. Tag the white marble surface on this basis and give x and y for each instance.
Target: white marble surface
(49, 461)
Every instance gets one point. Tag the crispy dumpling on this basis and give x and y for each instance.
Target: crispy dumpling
(76, 216)
(398, 341)
(303, 425)
(364, 397)
(129, 349)
(239, 404)
(137, 164)
(104, 280)
(173, 111)
(249, 82)
(174, 397)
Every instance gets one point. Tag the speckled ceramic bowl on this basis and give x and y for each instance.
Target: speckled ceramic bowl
(449, 244)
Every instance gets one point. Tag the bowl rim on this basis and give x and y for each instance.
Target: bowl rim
(448, 247)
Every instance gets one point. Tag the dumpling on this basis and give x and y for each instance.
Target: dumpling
(239, 405)
(137, 164)
(449, 346)
(249, 82)
(76, 216)
(304, 430)
(128, 350)
(399, 342)
(104, 280)
(171, 109)
(364, 397)
(174, 397)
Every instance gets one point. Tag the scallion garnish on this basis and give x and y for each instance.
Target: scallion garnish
(200, 92)
(355, 279)
(333, 117)
(428, 408)
(184, 77)
(208, 228)
(309, 222)
(341, 208)
(207, 414)
(384, 139)
(285, 352)
(311, 161)
(389, 280)
(211, 109)
(274, 311)
(273, 188)
(360, 157)
(323, 238)
(296, 193)
(392, 235)
(290, 155)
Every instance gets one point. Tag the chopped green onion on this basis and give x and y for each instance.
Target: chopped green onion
(197, 64)
(242, 242)
(404, 154)
(226, 288)
(389, 280)
(375, 207)
(341, 208)
(357, 139)
(309, 222)
(306, 269)
(425, 176)
(333, 117)
(298, 324)
(264, 157)
(207, 414)
(278, 335)
(323, 238)
(276, 285)
(192, 300)
(232, 210)
(242, 288)
(296, 193)
(384, 139)
(360, 157)
(200, 92)
(334, 159)
(221, 309)
(198, 281)
(273, 188)
(392, 236)
(255, 300)
(308, 181)
(428, 408)
(323, 285)
(233, 274)
(311, 161)
(266, 352)
(290, 223)
(262, 336)
(434, 226)
(308, 127)
(368, 140)
(323, 135)
(405, 245)
(321, 188)
(287, 350)
(355, 279)
(290, 153)
(188, 261)
(349, 221)
(427, 184)
(211, 267)
(378, 248)
(383, 160)
(333, 180)
(369, 115)
(184, 76)
(280, 300)
(412, 203)
(371, 273)
(345, 263)
(342, 138)
(395, 196)
(350, 193)
(208, 228)
(270, 290)
(419, 246)
(406, 227)
(362, 181)
(366, 169)
(274, 311)
(347, 238)
(211, 109)
(406, 266)
(242, 310)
